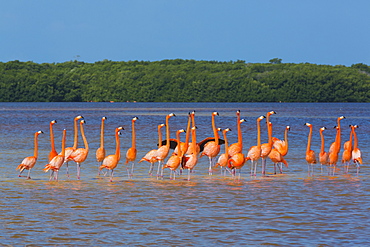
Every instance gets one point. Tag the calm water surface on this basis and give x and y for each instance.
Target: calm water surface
(289, 209)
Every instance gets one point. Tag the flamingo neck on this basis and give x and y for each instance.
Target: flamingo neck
(133, 135)
(36, 143)
(309, 139)
(159, 136)
(215, 132)
(75, 142)
(226, 143)
(258, 133)
(84, 137)
(64, 143)
(167, 132)
(187, 137)
(118, 152)
(52, 137)
(179, 152)
(338, 139)
(102, 134)
(322, 142)
(194, 140)
(350, 139)
(355, 141)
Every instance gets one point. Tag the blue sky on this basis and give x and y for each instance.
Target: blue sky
(334, 32)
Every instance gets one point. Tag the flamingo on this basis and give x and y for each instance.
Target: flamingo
(356, 153)
(131, 152)
(151, 156)
(310, 154)
(333, 151)
(70, 150)
(111, 161)
(237, 147)
(175, 160)
(223, 158)
(80, 154)
(267, 147)
(212, 148)
(348, 148)
(192, 160)
(194, 148)
(323, 156)
(53, 152)
(163, 151)
(276, 157)
(184, 145)
(254, 152)
(29, 162)
(335, 146)
(281, 146)
(57, 162)
(100, 152)
(235, 162)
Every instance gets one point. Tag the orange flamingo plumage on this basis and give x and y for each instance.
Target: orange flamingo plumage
(323, 156)
(100, 152)
(237, 147)
(267, 147)
(175, 160)
(335, 146)
(212, 148)
(53, 152)
(80, 154)
(193, 148)
(310, 154)
(236, 162)
(333, 153)
(151, 156)
(163, 151)
(70, 150)
(347, 149)
(254, 152)
(224, 157)
(111, 161)
(356, 152)
(192, 159)
(56, 163)
(184, 145)
(132, 151)
(29, 162)
(282, 147)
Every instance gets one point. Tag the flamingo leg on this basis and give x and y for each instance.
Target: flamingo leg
(255, 168)
(210, 166)
(151, 169)
(29, 172)
(159, 167)
(128, 172)
(263, 166)
(189, 174)
(56, 176)
(111, 175)
(67, 169)
(99, 167)
(78, 170)
(132, 168)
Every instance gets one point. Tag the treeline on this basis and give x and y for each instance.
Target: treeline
(183, 81)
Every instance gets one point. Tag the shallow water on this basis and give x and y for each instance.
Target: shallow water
(289, 209)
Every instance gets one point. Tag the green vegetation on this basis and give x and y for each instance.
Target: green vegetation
(183, 81)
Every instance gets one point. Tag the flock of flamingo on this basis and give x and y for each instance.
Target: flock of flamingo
(186, 154)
